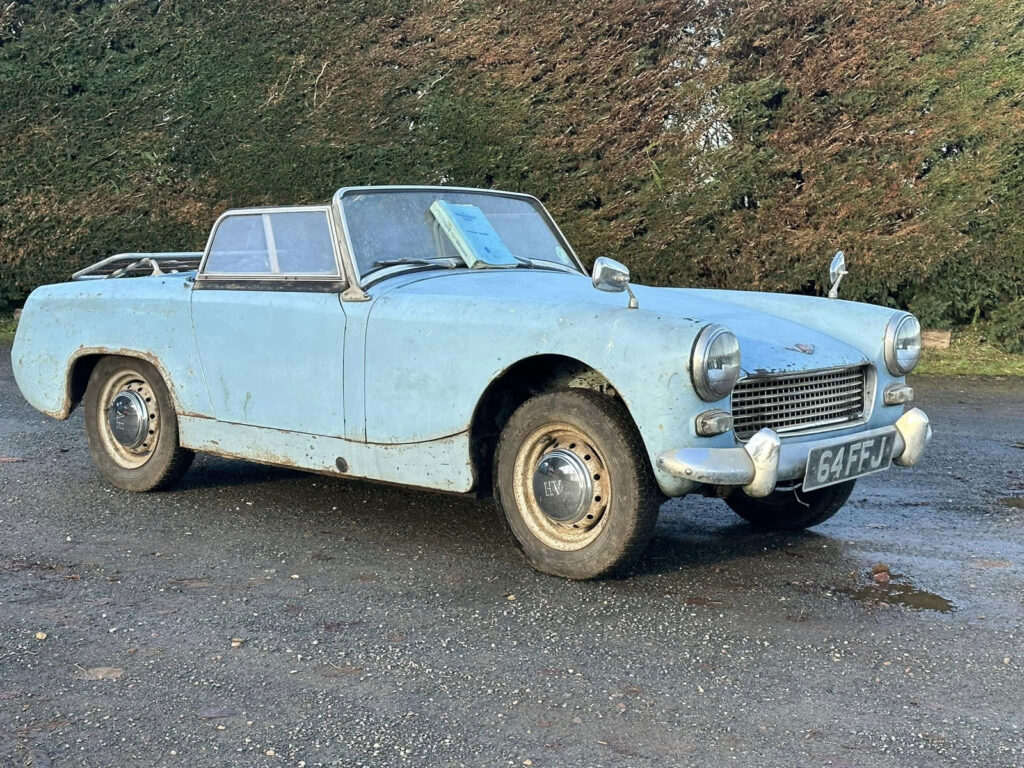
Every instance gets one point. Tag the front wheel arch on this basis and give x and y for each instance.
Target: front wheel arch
(512, 387)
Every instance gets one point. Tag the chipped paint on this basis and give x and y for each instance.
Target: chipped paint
(437, 464)
(144, 318)
(391, 384)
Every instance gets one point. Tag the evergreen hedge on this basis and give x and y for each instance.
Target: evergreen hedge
(733, 143)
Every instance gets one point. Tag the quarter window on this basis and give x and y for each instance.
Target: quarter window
(239, 247)
(282, 243)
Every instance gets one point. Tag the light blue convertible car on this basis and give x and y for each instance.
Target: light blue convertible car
(451, 339)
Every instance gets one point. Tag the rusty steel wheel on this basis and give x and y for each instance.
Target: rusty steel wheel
(131, 426)
(562, 487)
(574, 485)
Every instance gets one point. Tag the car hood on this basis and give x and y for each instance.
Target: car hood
(770, 342)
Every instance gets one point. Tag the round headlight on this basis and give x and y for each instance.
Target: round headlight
(715, 365)
(902, 344)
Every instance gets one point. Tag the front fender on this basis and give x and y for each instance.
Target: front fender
(426, 368)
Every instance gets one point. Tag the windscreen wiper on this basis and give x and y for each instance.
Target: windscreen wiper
(446, 263)
(543, 264)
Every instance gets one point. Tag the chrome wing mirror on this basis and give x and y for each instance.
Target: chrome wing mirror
(836, 272)
(613, 277)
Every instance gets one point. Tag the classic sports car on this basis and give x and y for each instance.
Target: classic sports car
(451, 339)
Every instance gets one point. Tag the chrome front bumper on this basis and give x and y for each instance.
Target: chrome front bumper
(764, 460)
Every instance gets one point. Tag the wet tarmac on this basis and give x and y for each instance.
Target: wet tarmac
(264, 617)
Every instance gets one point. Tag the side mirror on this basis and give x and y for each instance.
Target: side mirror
(836, 272)
(613, 277)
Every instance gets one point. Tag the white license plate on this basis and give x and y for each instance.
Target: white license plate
(831, 464)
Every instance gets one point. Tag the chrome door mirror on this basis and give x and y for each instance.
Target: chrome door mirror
(613, 277)
(836, 272)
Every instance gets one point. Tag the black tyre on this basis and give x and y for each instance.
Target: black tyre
(131, 426)
(791, 510)
(574, 484)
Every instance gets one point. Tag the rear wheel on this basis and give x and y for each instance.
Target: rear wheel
(793, 509)
(574, 485)
(131, 426)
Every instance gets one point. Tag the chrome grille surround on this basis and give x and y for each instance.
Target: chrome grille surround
(808, 401)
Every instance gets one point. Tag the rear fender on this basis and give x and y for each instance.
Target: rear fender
(63, 325)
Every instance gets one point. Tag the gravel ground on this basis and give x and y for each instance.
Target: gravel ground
(387, 627)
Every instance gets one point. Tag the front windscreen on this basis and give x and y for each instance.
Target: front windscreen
(387, 226)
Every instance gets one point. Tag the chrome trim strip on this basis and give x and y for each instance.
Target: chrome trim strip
(805, 372)
(347, 239)
(212, 283)
(259, 211)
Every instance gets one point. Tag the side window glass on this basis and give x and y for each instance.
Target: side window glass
(302, 241)
(292, 243)
(239, 247)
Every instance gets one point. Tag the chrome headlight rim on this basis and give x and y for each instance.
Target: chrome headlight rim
(893, 330)
(708, 335)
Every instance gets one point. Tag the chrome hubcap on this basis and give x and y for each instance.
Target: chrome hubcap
(130, 432)
(562, 486)
(129, 419)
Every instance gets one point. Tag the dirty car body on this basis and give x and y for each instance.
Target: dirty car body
(364, 339)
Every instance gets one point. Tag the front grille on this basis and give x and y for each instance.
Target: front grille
(798, 402)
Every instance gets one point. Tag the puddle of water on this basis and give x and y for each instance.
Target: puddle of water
(1017, 502)
(906, 595)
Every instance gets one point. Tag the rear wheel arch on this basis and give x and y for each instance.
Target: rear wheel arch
(514, 386)
(83, 362)
(79, 371)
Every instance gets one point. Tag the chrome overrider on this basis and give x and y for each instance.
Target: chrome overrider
(764, 460)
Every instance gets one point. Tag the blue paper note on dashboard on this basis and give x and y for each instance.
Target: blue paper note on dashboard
(472, 235)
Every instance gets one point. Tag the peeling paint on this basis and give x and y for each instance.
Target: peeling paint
(392, 384)
(438, 464)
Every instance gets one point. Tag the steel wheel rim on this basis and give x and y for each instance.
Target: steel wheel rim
(566, 537)
(128, 381)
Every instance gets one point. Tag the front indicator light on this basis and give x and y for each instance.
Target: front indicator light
(713, 422)
(898, 394)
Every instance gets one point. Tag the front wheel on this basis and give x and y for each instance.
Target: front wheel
(574, 485)
(131, 426)
(793, 509)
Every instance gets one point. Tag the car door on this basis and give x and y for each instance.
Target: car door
(269, 323)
